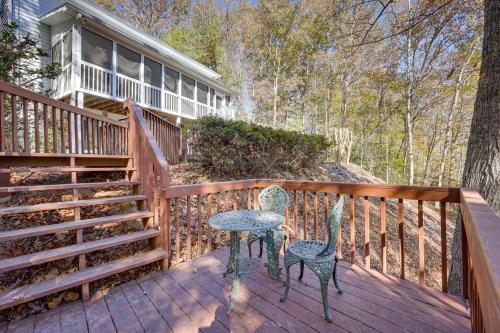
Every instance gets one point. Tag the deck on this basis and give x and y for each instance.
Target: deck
(193, 297)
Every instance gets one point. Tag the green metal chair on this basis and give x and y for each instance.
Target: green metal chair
(319, 256)
(272, 198)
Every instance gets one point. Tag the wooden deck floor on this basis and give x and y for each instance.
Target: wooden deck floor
(194, 296)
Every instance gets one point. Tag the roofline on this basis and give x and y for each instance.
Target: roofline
(111, 21)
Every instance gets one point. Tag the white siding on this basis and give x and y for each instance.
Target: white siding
(5, 12)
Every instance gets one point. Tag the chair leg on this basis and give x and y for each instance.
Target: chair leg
(324, 296)
(301, 270)
(249, 244)
(284, 296)
(335, 277)
(261, 245)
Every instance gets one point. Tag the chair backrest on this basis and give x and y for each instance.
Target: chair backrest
(273, 198)
(333, 226)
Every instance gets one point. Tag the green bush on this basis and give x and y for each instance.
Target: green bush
(237, 149)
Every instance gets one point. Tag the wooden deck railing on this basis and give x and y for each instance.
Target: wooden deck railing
(192, 205)
(151, 166)
(167, 136)
(33, 123)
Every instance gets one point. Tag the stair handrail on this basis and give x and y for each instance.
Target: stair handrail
(152, 169)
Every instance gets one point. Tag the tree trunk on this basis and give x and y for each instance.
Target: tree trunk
(409, 92)
(275, 99)
(482, 163)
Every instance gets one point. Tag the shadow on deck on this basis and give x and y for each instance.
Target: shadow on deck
(193, 296)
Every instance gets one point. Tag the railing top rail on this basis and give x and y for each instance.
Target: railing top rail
(25, 93)
(430, 193)
(482, 228)
(88, 64)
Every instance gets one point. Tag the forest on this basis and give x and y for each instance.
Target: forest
(391, 83)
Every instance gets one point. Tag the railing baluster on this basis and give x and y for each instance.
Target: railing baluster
(188, 227)
(325, 210)
(71, 130)
(256, 198)
(421, 259)
(383, 255)
(209, 213)
(61, 114)
(2, 123)
(352, 228)
(177, 233)
(235, 200)
(249, 199)
(13, 104)
(295, 215)
(37, 127)
(26, 126)
(54, 130)
(339, 236)
(444, 258)
(401, 239)
(87, 129)
(165, 217)
(219, 232)
(367, 232)
(304, 212)
(200, 225)
(45, 128)
(315, 215)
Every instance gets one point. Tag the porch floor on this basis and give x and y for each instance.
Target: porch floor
(193, 296)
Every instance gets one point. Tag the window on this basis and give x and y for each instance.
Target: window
(152, 72)
(212, 94)
(187, 87)
(129, 62)
(170, 79)
(218, 101)
(228, 100)
(202, 94)
(96, 50)
(67, 48)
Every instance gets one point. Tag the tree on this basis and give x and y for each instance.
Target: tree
(16, 54)
(482, 164)
(150, 16)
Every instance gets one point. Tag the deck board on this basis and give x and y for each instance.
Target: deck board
(194, 296)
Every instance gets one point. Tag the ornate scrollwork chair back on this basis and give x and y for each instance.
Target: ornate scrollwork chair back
(332, 226)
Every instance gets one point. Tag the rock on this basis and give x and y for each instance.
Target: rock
(71, 296)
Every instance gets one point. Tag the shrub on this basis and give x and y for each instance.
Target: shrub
(237, 149)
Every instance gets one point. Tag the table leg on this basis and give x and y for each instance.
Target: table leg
(274, 239)
(235, 258)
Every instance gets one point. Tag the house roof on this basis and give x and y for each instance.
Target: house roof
(105, 18)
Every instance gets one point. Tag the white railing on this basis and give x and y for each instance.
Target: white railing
(96, 79)
(188, 107)
(126, 87)
(108, 84)
(170, 102)
(152, 96)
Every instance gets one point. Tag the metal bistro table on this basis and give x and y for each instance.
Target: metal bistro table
(248, 220)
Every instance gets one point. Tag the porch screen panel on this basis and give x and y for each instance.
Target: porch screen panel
(152, 72)
(170, 80)
(96, 50)
(57, 53)
(202, 94)
(187, 87)
(68, 47)
(212, 94)
(129, 62)
(218, 101)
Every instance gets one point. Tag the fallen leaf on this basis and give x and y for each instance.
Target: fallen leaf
(71, 296)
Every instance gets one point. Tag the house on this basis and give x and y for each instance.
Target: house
(106, 60)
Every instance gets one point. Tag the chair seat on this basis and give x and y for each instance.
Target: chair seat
(308, 249)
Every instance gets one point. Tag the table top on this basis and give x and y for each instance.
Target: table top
(246, 220)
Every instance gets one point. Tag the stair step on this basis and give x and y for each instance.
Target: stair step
(66, 169)
(38, 258)
(69, 204)
(53, 187)
(33, 291)
(61, 227)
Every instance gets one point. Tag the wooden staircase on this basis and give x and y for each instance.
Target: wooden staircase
(72, 141)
